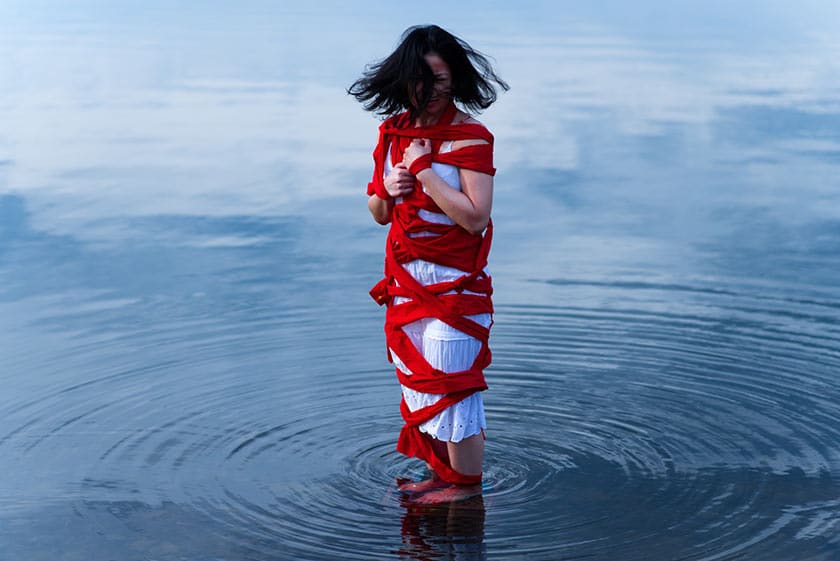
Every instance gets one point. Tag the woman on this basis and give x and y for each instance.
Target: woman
(433, 182)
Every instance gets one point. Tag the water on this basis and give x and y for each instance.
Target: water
(191, 366)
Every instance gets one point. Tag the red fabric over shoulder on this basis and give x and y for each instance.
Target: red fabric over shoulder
(398, 133)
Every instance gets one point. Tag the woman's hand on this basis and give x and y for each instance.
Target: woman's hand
(418, 147)
(399, 182)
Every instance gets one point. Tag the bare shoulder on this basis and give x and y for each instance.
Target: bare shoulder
(464, 119)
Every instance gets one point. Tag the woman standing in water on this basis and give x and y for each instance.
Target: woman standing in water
(433, 182)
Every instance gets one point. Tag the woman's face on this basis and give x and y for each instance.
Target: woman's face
(442, 91)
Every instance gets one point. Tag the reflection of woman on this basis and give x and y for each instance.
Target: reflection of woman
(452, 531)
(433, 182)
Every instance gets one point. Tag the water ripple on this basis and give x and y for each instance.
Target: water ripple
(708, 426)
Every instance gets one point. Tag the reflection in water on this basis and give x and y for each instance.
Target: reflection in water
(449, 531)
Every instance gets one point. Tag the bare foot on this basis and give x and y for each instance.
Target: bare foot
(448, 494)
(416, 487)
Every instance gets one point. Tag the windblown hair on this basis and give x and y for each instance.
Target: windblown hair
(385, 86)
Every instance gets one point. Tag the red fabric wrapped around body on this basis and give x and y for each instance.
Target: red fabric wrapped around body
(452, 246)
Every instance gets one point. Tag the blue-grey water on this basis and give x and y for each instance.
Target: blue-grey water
(191, 367)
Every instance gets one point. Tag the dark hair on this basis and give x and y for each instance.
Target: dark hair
(384, 87)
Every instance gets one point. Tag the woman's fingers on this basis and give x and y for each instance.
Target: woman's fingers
(401, 185)
(417, 148)
(400, 182)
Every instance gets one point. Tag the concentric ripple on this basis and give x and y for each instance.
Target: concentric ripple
(704, 429)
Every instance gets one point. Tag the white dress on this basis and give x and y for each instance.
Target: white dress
(444, 347)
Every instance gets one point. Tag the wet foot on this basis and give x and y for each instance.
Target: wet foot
(448, 494)
(417, 487)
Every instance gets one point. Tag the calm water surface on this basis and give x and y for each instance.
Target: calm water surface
(191, 367)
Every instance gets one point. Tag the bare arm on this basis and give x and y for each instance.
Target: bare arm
(380, 209)
(470, 207)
